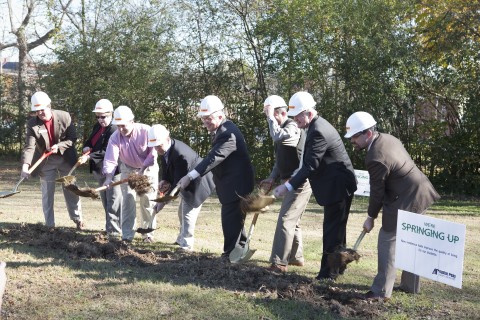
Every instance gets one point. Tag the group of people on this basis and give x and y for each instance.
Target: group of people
(310, 157)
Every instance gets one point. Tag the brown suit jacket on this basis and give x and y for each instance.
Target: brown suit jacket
(395, 181)
(37, 141)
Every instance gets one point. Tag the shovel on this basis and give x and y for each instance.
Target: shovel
(339, 259)
(241, 254)
(90, 192)
(169, 197)
(69, 178)
(4, 194)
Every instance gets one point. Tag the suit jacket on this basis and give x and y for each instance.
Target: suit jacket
(230, 164)
(37, 141)
(98, 150)
(181, 159)
(395, 181)
(325, 164)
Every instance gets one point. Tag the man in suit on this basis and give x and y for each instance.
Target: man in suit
(328, 168)
(395, 183)
(177, 160)
(288, 139)
(96, 145)
(51, 130)
(231, 167)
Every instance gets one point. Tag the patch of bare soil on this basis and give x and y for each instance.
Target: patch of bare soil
(205, 269)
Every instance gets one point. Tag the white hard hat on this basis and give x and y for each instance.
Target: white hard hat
(122, 115)
(358, 122)
(209, 105)
(275, 101)
(156, 133)
(299, 102)
(40, 101)
(103, 105)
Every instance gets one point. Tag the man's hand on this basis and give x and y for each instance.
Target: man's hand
(368, 224)
(108, 180)
(268, 109)
(164, 186)
(54, 148)
(25, 174)
(184, 182)
(266, 185)
(83, 159)
(280, 191)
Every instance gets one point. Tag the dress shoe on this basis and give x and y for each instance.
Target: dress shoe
(297, 263)
(277, 268)
(401, 289)
(325, 278)
(370, 295)
(148, 240)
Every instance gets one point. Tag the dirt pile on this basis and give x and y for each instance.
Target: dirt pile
(204, 269)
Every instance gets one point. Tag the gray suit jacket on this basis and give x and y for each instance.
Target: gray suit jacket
(37, 141)
(325, 164)
(395, 181)
(181, 159)
(230, 164)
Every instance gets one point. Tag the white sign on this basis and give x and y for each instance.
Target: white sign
(430, 247)
(363, 183)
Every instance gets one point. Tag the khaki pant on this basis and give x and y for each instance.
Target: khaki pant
(187, 216)
(55, 165)
(287, 242)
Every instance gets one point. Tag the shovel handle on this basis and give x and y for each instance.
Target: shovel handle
(78, 163)
(360, 237)
(112, 185)
(36, 164)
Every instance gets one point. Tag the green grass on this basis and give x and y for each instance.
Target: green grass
(47, 283)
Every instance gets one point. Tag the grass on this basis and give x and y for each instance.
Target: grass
(46, 283)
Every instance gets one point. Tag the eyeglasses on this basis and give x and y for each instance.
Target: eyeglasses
(358, 134)
(101, 117)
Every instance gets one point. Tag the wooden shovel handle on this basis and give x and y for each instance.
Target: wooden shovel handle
(36, 164)
(112, 185)
(78, 163)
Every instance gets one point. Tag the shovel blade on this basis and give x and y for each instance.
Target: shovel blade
(240, 255)
(5, 194)
(66, 179)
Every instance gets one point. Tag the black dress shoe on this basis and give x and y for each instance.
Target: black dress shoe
(400, 289)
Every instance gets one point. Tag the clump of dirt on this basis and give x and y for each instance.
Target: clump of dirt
(139, 182)
(200, 268)
(83, 192)
(340, 258)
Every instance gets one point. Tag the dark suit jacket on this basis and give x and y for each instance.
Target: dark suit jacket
(395, 181)
(181, 160)
(325, 164)
(98, 150)
(230, 164)
(37, 141)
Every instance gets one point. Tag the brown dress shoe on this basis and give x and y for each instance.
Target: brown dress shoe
(296, 263)
(370, 295)
(277, 268)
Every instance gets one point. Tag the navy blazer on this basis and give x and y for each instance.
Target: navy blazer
(230, 164)
(181, 159)
(98, 150)
(325, 164)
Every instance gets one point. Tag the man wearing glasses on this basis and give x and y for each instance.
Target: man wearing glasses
(395, 183)
(51, 130)
(94, 150)
(231, 167)
(327, 166)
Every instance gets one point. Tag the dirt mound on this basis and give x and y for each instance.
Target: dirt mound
(205, 269)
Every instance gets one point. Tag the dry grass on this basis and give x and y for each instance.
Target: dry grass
(48, 283)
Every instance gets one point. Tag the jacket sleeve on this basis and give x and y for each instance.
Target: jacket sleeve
(70, 136)
(378, 175)
(224, 145)
(315, 148)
